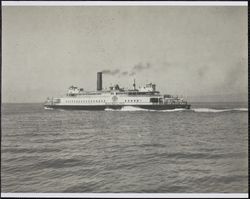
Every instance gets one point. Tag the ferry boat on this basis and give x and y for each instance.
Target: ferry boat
(146, 97)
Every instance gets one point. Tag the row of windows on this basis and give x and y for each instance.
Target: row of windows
(84, 101)
(133, 100)
(94, 101)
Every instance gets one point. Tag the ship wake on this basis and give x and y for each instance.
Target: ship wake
(127, 108)
(210, 110)
(196, 110)
(47, 108)
(133, 108)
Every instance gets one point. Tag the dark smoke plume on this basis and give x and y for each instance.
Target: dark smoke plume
(111, 72)
(140, 67)
(137, 68)
(124, 73)
(132, 73)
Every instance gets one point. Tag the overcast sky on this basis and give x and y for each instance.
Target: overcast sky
(189, 51)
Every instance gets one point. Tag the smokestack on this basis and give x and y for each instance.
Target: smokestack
(99, 81)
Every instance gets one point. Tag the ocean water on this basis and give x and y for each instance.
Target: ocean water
(203, 150)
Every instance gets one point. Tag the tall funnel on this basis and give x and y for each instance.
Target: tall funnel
(99, 81)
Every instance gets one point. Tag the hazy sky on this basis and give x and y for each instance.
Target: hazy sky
(189, 51)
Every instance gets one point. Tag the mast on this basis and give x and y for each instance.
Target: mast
(134, 85)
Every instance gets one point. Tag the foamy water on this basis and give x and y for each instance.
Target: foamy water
(209, 110)
(198, 110)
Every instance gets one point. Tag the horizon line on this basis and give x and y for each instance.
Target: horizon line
(124, 3)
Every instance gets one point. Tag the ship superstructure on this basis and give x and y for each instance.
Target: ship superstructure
(146, 97)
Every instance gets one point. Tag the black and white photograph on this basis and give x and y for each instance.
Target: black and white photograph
(124, 98)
